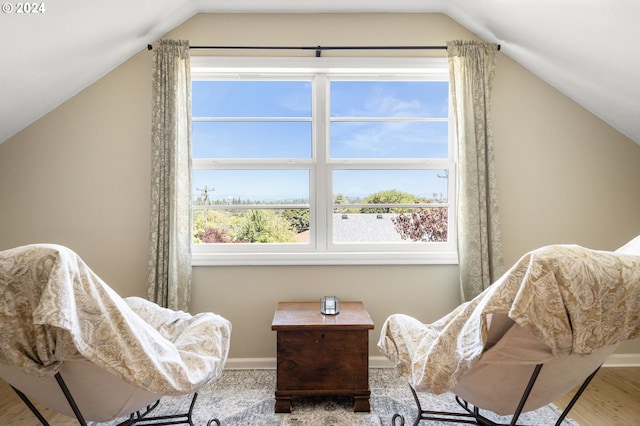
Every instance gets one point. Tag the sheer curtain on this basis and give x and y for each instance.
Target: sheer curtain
(169, 281)
(472, 66)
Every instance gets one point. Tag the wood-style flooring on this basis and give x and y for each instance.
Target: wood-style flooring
(612, 399)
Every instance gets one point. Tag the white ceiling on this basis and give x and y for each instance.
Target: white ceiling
(587, 49)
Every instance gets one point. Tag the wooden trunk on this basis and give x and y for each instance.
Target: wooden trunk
(321, 354)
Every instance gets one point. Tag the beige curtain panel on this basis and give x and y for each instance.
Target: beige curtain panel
(169, 282)
(472, 66)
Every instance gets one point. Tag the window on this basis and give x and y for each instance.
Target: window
(322, 160)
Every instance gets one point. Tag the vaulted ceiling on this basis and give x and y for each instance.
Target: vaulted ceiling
(587, 49)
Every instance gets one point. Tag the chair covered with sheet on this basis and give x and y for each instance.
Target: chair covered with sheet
(542, 329)
(72, 344)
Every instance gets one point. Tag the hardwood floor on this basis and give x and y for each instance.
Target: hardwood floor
(612, 399)
(13, 412)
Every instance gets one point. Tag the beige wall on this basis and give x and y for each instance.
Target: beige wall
(80, 177)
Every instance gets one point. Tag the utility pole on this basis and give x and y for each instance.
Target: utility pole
(205, 200)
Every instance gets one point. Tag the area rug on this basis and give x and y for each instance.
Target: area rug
(246, 398)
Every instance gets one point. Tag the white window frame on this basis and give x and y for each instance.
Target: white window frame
(320, 251)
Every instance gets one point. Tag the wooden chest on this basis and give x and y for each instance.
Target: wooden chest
(322, 354)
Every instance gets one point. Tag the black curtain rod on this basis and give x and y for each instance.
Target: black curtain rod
(319, 49)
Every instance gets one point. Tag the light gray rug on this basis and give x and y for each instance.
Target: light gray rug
(246, 398)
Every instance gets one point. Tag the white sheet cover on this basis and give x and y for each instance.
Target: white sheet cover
(54, 308)
(575, 300)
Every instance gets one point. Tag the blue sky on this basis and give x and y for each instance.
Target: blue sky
(244, 135)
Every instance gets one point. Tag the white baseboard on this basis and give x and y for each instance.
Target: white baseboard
(622, 360)
(615, 360)
(250, 364)
(380, 362)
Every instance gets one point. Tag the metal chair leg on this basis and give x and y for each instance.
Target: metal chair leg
(32, 407)
(137, 418)
(72, 402)
(525, 395)
(472, 414)
(576, 396)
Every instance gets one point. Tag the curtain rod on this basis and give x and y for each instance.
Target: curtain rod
(318, 49)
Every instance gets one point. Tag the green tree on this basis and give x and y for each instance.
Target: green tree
(265, 226)
(391, 196)
(340, 199)
(297, 218)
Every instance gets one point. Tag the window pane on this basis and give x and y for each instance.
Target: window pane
(389, 99)
(389, 139)
(241, 187)
(409, 226)
(251, 99)
(252, 140)
(263, 192)
(389, 186)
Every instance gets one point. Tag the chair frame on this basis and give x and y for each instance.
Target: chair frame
(472, 415)
(137, 418)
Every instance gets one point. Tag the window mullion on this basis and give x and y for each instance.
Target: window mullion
(321, 176)
(251, 164)
(391, 119)
(251, 119)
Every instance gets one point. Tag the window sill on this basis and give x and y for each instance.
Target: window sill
(337, 258)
